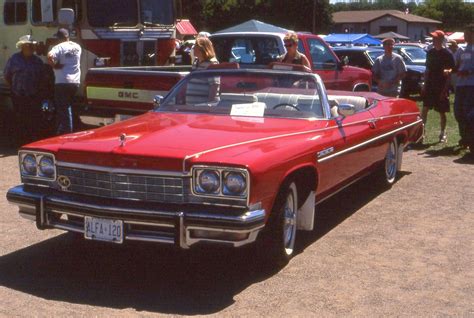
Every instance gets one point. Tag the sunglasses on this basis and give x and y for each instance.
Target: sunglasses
(289, 44)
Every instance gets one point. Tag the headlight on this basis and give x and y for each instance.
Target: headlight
(220, 182)
(29, 165)
(46, 167)
(208, 182)
(37, 165)
(234, 183)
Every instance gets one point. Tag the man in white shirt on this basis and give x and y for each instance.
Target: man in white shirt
(388, 70)
(65, 58)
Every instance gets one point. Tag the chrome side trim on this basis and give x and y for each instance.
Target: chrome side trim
(122, 170)
(336, 154)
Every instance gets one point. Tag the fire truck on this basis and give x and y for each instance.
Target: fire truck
(110, 32)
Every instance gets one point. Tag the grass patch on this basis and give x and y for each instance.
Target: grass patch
(432, 130)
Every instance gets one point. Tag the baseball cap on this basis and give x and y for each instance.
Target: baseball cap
(62, 33)
(437, 34)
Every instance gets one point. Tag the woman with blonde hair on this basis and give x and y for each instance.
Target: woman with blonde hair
(292, 55)
(203, 90)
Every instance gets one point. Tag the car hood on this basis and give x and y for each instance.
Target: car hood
(163, 140)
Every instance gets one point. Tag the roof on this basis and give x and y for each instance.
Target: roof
(392, 35)
(365, 16)
(184, 27)
(254, 26)
(357, 48)
(352, 38)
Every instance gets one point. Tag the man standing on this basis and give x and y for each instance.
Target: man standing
(389, 69)
(439, 62)
(23, 73)
(65, 58)
(464, 98)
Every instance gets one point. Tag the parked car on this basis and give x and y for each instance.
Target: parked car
(365, 56)
(246, 164)
(414, 54)
(267, 47)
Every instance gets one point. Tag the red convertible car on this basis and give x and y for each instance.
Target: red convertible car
(229, 156)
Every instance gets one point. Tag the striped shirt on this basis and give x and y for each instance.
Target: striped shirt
(197, 90)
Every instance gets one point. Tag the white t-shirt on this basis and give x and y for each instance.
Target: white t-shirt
(67, 54)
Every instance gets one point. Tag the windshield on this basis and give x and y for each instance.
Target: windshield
(157, 12)
(247, 93)
(106, 13)
(415, 53)
(120, 13)
(375, 54)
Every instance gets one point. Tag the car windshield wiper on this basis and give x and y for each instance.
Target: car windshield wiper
(120, 24)
(150, 24)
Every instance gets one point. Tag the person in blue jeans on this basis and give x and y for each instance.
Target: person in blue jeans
(464, 98)
(65, 58)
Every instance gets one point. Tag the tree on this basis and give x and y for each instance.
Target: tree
(453, 13)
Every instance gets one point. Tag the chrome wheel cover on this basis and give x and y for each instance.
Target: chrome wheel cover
(289, 219)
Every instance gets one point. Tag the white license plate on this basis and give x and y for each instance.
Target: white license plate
(103, 229)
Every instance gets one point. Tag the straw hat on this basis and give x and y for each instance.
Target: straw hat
(25, 39)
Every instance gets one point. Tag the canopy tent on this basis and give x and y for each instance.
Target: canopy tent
(351, 38)
(457, 36)
(254, 26)
(392, 35)
(184, 27)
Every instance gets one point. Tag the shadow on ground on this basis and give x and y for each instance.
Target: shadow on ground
(154, 278)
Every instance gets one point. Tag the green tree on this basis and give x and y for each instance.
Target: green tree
(453, 13)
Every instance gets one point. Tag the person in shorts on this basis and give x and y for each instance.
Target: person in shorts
(464, 98)
(388, 70)
(439, 63)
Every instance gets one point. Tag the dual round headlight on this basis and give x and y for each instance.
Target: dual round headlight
(220, 182)
(37, 165)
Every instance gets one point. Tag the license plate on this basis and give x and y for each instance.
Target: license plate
(103, 229)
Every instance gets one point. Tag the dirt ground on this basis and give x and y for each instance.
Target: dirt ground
(408, 251)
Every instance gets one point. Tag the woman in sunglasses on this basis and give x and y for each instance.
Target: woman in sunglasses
(292, 55)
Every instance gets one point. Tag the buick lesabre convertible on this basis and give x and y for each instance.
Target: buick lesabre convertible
(229, 156)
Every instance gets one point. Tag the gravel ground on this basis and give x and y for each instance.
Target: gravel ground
(408, 251)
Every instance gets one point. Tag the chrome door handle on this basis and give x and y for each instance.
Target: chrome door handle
(372, 123)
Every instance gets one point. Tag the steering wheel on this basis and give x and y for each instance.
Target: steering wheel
(286, 105)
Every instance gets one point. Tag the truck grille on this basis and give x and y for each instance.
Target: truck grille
(124, 186)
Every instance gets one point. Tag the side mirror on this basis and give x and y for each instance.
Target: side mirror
(157, 100)
(66, 16)
(346, 110)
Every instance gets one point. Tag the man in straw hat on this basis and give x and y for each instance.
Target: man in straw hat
(23, 73)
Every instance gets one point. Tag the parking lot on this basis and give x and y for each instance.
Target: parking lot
(408, 251)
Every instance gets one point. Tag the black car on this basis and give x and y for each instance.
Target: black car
(365, 56)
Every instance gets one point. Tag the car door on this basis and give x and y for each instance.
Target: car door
(350, 155)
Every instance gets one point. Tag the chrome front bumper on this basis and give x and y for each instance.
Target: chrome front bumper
(142, 222)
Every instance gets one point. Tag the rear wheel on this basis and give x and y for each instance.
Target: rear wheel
(387, 175)
(279, 241)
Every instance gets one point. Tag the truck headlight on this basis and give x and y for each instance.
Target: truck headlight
(208, 181)
(37, 165)
(234, 183)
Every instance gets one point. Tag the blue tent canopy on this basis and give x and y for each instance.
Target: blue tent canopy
(352, 38)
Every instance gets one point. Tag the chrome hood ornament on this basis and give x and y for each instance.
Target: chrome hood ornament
(122, 139)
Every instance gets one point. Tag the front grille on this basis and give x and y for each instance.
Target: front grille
(124, 186)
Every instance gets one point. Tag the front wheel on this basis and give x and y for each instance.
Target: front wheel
(280, 239)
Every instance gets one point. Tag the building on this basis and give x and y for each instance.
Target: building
(381, 21)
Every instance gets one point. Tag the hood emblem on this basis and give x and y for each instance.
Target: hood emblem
(122, 139)
(64, 182)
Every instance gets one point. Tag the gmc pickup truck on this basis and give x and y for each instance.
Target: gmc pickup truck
(130, 90)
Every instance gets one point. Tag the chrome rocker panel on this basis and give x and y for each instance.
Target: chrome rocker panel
(150, 225)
